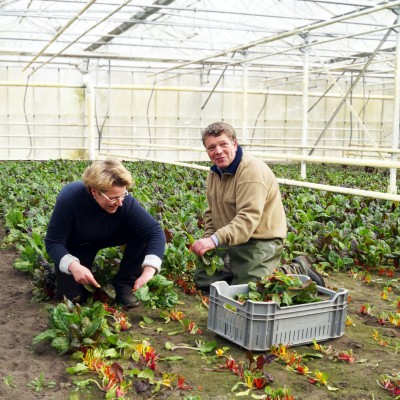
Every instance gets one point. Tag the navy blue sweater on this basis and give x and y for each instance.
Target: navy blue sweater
(78, 219)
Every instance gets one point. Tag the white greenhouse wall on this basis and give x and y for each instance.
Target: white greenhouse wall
(46, 117)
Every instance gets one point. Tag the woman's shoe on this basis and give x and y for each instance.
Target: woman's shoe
(127, 300)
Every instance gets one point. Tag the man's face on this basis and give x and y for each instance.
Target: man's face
(221, 149)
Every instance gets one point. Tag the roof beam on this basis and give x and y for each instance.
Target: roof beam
(61, 31)
(133, 21)
(296, 31)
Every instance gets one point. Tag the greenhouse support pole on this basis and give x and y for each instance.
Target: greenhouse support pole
(90, 114)
(245, 102)
(304, 131)
(396, 120)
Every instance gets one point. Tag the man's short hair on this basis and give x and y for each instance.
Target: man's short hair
(217, 129)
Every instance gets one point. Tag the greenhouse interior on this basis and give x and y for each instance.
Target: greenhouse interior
(299, 80)
(311, 89)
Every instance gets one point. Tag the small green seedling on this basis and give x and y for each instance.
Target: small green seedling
(39, 384)
(9, 381)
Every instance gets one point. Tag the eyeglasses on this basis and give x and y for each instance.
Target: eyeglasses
(115, 199)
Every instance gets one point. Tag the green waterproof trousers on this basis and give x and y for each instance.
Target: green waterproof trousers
(243, 263)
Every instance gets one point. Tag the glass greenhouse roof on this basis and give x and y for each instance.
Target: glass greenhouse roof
(177, 35)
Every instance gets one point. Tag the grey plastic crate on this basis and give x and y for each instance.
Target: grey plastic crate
(258, 326)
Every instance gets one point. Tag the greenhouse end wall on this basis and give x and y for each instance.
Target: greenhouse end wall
(53, 115)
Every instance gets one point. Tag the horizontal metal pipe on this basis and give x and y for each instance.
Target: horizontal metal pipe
(192, 89)
(199, 128)
(195, 166)
(338, 189)
(291, 157)
(42, 148)
(346, 148)
(331, 160)
(152, 146)
(289, 182)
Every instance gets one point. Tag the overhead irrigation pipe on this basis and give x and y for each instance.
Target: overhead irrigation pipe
(60, 32)
(284, 35)
(282, 181)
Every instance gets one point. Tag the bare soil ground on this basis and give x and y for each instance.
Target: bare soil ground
(22, 320)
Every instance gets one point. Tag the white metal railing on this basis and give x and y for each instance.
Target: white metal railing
(282, 181)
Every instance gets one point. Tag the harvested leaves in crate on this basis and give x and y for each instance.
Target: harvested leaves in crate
(285, 290)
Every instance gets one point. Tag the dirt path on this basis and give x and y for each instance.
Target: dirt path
(20, 322)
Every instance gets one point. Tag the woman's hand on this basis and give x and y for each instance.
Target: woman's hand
(147, 274)
(82, 274)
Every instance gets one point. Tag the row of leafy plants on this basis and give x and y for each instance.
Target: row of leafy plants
(340, 232)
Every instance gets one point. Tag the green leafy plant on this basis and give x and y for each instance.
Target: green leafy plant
(158, 292)
(211, 261)
(43, 281)
(39, 384)
(9, 381)
(72, 327)
(391, 383)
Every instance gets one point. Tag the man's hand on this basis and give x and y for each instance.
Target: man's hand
(147, 274)
(82, 274)
(201, 246)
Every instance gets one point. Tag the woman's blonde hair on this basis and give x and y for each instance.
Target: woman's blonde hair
(101, 175)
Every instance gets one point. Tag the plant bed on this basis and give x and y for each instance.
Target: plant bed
(355, 242)
(22, 363)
